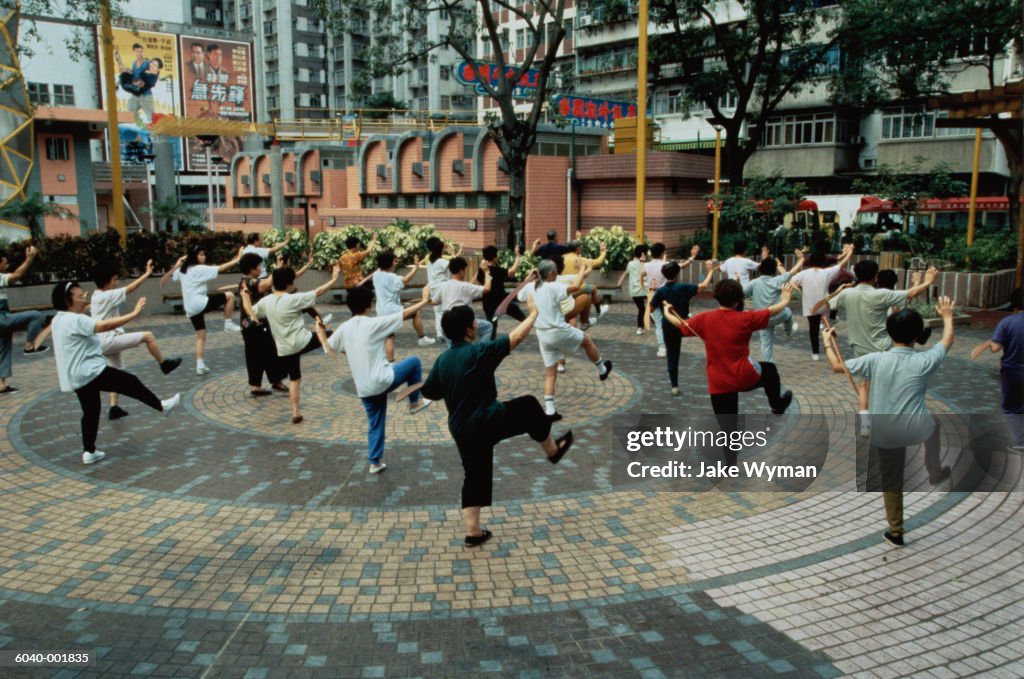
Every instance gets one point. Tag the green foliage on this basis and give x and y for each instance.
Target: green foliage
(143, 246)
(381, 104)
(990, 251)
(32, 212)
(527, 264)
(296, 252)
(220, 246)
(170, 210)
(759, 205)
(726, 240)
(407, 240)
(907, 185)
(620, 245)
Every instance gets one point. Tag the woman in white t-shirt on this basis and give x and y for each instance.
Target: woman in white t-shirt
(81, 367)
(192, 272)
(813, 282)
(438, 272)
(106, 304)
(388, 286)
(556, 337)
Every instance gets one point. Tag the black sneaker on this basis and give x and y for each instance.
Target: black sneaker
(607, 370)
(943, 474)
(41, 349)
(894, 540)
(117, 412)
(783, 404)
(169, 365)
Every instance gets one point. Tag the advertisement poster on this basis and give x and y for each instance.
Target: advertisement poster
(216, 82)
(147, 74)
(593, 112)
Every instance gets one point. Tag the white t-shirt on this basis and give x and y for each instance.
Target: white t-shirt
(193, 286)
(437, 273)
(77, 350)
(284, 313)
(105, 304)
(652, 271)
(740, 266)
(362, 340)
(388, 288)
(263, 253)
(3, 284)
(452, 293)
(548, 299)
(814, 286)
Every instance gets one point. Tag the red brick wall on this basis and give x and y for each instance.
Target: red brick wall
(55, 226)
(311, 163)
(412, 152)
(242, 169)
(376, 155)
(335, 188)
(545, 196)
(260, 168)
(451, 149)
(493, 179)
(50, 169)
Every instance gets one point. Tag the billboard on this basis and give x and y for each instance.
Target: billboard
(146, 64)
(525, 88)
(217, 82)
(590, 112)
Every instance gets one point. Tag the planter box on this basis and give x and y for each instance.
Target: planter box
(958, 319)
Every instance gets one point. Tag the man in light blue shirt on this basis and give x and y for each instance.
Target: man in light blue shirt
(765, 291)
(896, 401)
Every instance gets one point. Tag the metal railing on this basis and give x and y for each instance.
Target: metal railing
(130, 174)
(324, 124)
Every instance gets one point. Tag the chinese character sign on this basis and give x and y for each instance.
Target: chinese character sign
(589, 112)
(525, 87)
(216, 82)
(147, 70)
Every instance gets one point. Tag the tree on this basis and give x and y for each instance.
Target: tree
(170, 211)
(753, 59)
(761, 204)
(380, 104)
(32, 212)
(401, 41)
(83, 14)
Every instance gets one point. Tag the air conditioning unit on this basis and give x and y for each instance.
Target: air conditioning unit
(314, 176)
(868, 163)
(584, 20)
(245, 180)
(289, 177)
(382, 171)
(266, 179)
(459, 166)
(200, 13)
(502, 165)
(417, 169)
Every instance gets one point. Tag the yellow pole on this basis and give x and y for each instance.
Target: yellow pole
(974, 187)
(718, 174)
(641, 122)
(116, 185)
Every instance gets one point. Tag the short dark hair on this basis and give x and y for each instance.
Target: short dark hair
(552, 234)
(283, 278)
(352, 242)
(457, 321)
(103, 272)
(136, 46)
(640, 251)
(248, 262)
(61, 295)
(435, 246)
(887, 279)
(359, 299)
(739, 247)
(572, 246)
(192, 257)
(4, 255)
(817, 258)
(728, 293)
(559, 263)
(457, 265)
(489, 253)
(386, 259)
(865, 270)
(159, 62)
(212, 46)
(671, 270)
(904, 326)
(657, 250)
(768, 266)
(252, 238)
(1017, 299)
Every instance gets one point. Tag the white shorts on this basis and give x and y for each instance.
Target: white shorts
(556, 343)
(112, 349)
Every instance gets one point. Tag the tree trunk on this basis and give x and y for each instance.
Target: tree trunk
(516, 206)
(1013, 192)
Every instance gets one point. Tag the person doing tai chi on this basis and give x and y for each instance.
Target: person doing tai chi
(899, 415)
(637, 292)
(81, 367)
(726, 333)
(464, 377)
(193, 273)
(284, 310)
(496, 295)
(437, 273)
(260, 351)
(32, 321)
(813, 282)
(388, 286)
(766, 290)
(106, 304)
(362, 339)
(556, 337)
(457, 292)
(678, 295)
(1009, 339)
(739, 265)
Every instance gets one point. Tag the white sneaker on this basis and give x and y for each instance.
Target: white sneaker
(377, 468)
(662, 352)
(605, 308)
(639, 331)
(815, 357)
(202, 370)
(89, 458)
(793, 327)
(171, 403)
(327, 319)
(419, 405)
(560, 368)
(231, 326)
(424, 342)
(675, 391)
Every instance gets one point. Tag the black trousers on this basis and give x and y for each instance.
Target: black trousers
(523, 415)
(641, 307)
(729, 404)
(291, 365)
(673, 345)
(814, 331)
(261, 355)
(117, 381)
(513, 310)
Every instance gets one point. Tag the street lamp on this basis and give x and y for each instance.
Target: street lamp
(208, 141)
(718, 178)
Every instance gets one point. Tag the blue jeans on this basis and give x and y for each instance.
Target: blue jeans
(659, 334)
(9, 323)
(407, 371)
(785, 317)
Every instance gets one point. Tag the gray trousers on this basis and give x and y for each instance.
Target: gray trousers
(768, 334)
(9, 323)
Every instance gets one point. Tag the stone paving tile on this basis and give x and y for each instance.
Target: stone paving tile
(224, 541)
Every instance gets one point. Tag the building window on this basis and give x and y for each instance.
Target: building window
(63, 95)
(57, 148)
(809, 128)
(520, 39)
(39, 93)
(902, 123)
(445, 72)
(424, 103)
(446, 102)
(667, 103)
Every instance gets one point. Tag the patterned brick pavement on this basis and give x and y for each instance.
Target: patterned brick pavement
(224, 541)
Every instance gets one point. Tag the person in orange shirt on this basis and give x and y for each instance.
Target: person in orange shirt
(352, 259)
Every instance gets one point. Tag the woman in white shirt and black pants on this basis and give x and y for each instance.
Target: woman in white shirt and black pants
(82, 368)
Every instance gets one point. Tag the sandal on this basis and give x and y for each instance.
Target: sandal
(564, 443)
(8, 389)
(279, 387)
(260, 392)
(477, 540)
(297, 419)
(554, 417)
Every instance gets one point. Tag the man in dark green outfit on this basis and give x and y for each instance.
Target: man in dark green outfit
(464, 377)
